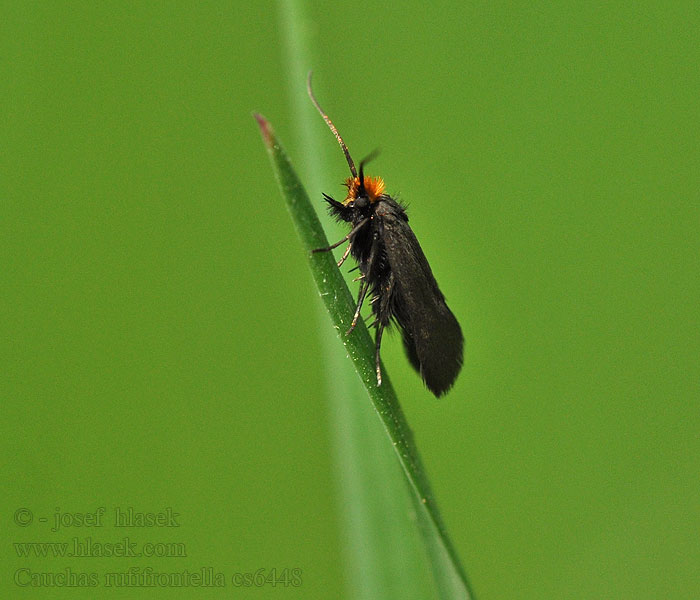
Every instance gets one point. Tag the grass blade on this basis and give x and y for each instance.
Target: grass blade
(450, 577)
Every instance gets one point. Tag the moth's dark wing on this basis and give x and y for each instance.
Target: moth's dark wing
(431, 334)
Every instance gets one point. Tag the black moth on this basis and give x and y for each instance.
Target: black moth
(396, 275)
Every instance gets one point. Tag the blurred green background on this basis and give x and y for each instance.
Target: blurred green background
(160, 330)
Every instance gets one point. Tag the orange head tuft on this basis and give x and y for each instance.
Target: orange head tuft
(374, 187)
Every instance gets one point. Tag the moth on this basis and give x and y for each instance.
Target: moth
(395, 275)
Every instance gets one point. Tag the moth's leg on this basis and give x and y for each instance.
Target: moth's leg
(364, 285)
(345, 255)
(353, 231)
(385, 301)
(378, 344)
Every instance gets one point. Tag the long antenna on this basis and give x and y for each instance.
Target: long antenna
(330, 124)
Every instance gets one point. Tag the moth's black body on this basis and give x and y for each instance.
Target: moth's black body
(397, 277)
